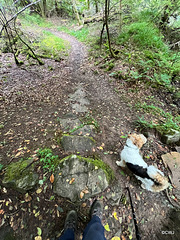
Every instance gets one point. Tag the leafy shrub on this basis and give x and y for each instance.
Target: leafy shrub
(166, 121)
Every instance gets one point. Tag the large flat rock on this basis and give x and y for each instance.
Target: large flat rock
(80, 178)
(76, 127)
(77, 143)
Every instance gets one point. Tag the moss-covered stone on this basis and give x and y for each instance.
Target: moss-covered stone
(98, 163)
(79, 178)
(20, 175)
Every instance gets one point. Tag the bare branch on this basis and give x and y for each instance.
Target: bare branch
(22, 10)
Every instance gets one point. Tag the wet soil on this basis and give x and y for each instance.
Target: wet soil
(33, 99)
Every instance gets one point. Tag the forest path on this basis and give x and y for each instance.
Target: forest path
(33, 98)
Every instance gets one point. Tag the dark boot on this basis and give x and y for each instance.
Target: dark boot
(71, 221)
(96, 209)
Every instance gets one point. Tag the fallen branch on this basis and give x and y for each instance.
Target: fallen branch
(33, 53)
(174, 44)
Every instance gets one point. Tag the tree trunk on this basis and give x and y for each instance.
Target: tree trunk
(76, 12)
(120, 16)
(44, 10)
(96, 4)
(88, 4)
(107, 27)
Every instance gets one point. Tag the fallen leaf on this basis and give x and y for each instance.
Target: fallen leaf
(123, 237)
(107, 227)
(84, 205)
(37, 214)
(27, 198)
(72, 180)
(85, 191)
(58, 214)
(38, 238)
(81, 195)
(1, 211)
(39, 190)
(115, 238)
(18, 154)
(115, 215)
(137, 197)
(52, 178)
(39, 231)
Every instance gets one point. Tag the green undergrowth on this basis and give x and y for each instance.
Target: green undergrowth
(81, 34)
(148, 55)
(142, 47)
(162, 121)
(53, 46)
(144, 35)
(48, 159)
(46, 44)
(34, 19)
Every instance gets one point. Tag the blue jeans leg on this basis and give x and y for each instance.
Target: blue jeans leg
(67, 235)
(94, 230)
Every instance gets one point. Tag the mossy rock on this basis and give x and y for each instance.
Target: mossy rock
(79, 178)
(172, 137)
(20, 175)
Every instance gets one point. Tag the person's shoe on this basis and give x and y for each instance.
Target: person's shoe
(96, 209)
(71, 220)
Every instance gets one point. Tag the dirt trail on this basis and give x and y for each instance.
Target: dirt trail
(32, 100)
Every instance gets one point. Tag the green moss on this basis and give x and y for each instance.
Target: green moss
(97, 163)
(14, 171)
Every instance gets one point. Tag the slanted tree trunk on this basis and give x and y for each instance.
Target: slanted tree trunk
(76, 12)
(107, 26)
